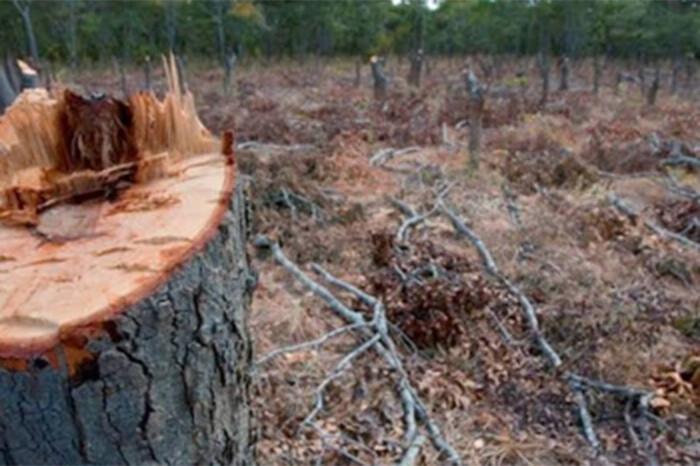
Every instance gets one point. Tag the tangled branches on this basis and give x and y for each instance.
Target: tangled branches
(376, 336)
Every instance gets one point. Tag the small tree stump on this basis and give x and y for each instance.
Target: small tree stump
(123, 314)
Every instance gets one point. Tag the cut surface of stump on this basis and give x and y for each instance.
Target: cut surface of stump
(123, 284)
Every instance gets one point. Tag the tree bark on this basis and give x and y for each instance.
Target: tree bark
(476, 112)
(168, 384)
(564, 73)
(381, 82)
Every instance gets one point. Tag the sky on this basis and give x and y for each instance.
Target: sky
(432, 4)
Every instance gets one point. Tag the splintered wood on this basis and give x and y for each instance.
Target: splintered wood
(55, 149)
(100, 200)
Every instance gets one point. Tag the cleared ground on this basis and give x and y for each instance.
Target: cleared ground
(616, 295)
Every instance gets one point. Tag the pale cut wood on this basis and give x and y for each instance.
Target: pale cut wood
(92, 259)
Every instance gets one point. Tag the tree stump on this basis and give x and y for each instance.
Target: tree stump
(125, 285)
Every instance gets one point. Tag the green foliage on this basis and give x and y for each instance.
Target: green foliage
(98, 30)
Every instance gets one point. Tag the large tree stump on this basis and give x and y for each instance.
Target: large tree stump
(123, 294)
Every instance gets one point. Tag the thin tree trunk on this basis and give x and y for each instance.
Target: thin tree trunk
(171, 24)
(147, 73)
(597, 74)
(543, 65)
(24, 11)
(654, 88)
(358, 72)
(72, 34)
(230, 65)
(476, 111)
(7, 92)
(122, 77)
(220, 32)
(381, 82)
(180, 65)
(564, 73)
(675, 73)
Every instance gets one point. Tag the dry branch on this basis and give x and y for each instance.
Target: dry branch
(309, 345)
(384, 155)
(677, 160)
(411, 455)
(577, 383)
(663, 233)
(377, 331)
(491, 267)
(262, 146)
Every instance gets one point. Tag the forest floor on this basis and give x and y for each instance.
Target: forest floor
(618, 301)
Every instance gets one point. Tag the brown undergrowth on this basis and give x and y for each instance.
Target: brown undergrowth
(618, 301)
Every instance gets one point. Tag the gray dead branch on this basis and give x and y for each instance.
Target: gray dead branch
(268, 147)
(383, 156)
(578, 384)
(376, 337)
(661, 232)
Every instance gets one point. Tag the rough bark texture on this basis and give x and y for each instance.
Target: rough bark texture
(168, 383)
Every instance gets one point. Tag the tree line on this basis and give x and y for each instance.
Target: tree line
(80, 32)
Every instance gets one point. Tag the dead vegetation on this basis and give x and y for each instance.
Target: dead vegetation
(598, 229)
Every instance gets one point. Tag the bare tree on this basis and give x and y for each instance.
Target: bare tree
(381, 82)
(543, 65)
(171, 24)
(416, 69)
(147, 73)
(7, 93)
(476, 110)
(598, 67)
(358, 72)
(655, 85)
(675, 74)
(229, 67)
(22, 7)
(414, 74)
(72, 33)
(218, 10)
(564, 73)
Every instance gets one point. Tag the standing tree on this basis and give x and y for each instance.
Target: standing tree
(418, 8)
(381, 82)
(476, 111)
(23, 7)
(171, 24)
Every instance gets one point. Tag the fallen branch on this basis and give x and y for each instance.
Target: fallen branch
(377, 331)
(414, 218)
(663, 233)
(677, 160)
(253, 145)
(337, 372)
(411, 454)
(491, 267)
(384, 155)
(309, 345)
(577, 383)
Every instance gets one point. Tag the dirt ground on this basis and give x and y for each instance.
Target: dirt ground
(619, 301)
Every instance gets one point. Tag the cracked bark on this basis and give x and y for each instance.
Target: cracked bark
(168, 382)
